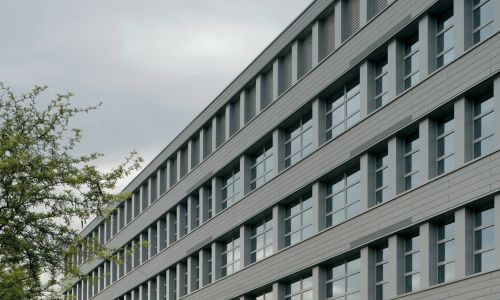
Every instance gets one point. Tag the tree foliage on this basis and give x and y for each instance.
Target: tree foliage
(44, 187)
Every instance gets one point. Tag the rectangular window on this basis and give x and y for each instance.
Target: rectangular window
(196, 274)
(264, 296)
(446, 251)
(298, 220)
(209, 263)
(231, 256)
(343, 281)
(210, 211)
(445, 144)
(482, 20)
(381, 272)
(412, 263)
(381, 177)
(381, 87)
(261, 166)
(412, 161)
(445, 41)
(343, 197)
(411, 61)
(174, 226)
(231, 188)
(301, 289)
(484, 239)
(483, 125)
(298, 140)
(343, 109)
(261, 240)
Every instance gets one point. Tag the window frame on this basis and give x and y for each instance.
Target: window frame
(380, 263)
(231, 180)
(305, 124)
(344, 277)
(266, 152)
(380, 77)
(413, 152)
(302, 227)
(255, 235)
(481, 25)
(235, 263)
(441, 137)
(408, 56)
(348, 92)
(303, 289)
(413, 272)
(441, 33)
(479, 228)
(444, 241)
(384, 157)
(488, 96)
(344, 178)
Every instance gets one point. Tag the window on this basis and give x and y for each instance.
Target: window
(483, 125)
(381, 83)
(298, 221)
(231, 188)
(197, 274)
(196, 212)
(343, 199)
(411, 159)
(209, 269)
(381, 272)
(261, 240)
(445, 38)
(298, 140)
(445, 144)
(411, 61)
(174, 229)
(301, 289)
(381, 177)
(412, 263)
(343, 281)
(484, 239)
(185, 230)
(264, 296)
(343, 109)
(482, 19)
(210, 211)
(261, 166)
(231, 256)
(446, 251)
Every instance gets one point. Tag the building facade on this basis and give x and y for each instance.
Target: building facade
(357, 157)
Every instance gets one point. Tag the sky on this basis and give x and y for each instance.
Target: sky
(154, 65)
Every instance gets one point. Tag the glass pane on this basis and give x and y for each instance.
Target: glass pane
(484, 261)
(484, 104)
(483, 34)
(338, 217)
(485, 238)
(338, 116)
(484, 217)
(338, 288)
(353, 105)
(483, 14)
(483, 147)
(354, 266)
(353, 120)
(353, 210)
(354, 283)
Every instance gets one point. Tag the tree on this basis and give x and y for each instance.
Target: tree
(44, 187)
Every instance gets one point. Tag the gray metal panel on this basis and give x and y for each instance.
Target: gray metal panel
(352, 17)
(306, 55)
(377, 6)
(390, 115)
(439, 197)
(267, 94)
(328, 38)
(251, 104)
(286, 72)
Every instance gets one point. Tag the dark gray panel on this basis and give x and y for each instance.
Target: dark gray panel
(381, 233)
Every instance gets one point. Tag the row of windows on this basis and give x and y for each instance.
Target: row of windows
(344, 277)
(298, 139)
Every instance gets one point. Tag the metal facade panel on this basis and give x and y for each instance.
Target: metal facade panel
(286, 72)
(352, 17)
(328, 37)
(251, 105)
(306, 55)
(235, 117)
(221, 129)
(377, 6)
(207, 140)
(267, 89)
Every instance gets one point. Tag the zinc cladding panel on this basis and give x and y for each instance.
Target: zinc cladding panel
(207, 141)
(306, 55)
(267, 89)
(328, 38)
(307, 89)
(235, 117)
(352, 17)
(286, 72)
(221, 129)
(377, 6)
(337, 153)
(195, 152)
(183, 162)
(173, 171)
(251, 104)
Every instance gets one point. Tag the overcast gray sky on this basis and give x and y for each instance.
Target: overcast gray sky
(154, 64)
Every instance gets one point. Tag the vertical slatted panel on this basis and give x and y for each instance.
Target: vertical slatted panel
(286, 72)
(267, 94)
(352, 17)
(195, 152)
(173, 171)
(306, 55)
(221, 129)
(235, 116)
(377, 6)
(207, 141)
(328, 38)
(251, 105)
(183, 162)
